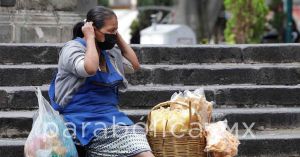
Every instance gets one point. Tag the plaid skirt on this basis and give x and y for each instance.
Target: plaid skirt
(118, 141)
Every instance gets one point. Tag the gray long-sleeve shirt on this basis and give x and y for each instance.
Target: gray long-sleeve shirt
(72, 74)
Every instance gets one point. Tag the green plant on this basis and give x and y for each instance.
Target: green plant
(103, 2)
(135, 32)
(155, 2)
(278, 20)
(246, 22)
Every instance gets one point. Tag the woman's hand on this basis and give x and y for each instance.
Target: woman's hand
(91, 59)
(128, 52)
(88, 30)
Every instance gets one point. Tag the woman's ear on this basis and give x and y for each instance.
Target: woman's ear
(95, 29)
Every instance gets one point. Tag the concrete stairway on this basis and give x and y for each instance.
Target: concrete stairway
(255, 88)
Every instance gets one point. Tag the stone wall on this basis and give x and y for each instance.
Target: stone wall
(40, 21)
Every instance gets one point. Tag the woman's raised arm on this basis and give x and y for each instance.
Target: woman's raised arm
(128, 52)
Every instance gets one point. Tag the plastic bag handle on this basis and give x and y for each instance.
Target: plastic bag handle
(44, 106)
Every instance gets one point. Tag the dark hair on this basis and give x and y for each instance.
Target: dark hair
(97, 15)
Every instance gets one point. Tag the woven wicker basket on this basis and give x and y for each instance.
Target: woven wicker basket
(165, 144)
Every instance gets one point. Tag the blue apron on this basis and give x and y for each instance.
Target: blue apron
(94, 106)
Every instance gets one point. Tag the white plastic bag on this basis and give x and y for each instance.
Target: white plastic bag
(219, 141)
(49, 137)
(200, 106)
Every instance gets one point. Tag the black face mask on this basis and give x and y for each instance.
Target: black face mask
(109, 42)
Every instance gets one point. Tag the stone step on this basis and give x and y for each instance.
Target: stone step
(29, 53)
(192, 74)
(207, 74)
(280, 143)
(152, 54)
(255, 118)
(14, 124)
(12, 147)
(139, 97)
(18, 75)
(277, 143)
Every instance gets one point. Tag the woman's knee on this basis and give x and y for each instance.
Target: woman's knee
(145, 154)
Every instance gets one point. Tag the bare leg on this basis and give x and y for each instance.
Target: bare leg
(145, 154)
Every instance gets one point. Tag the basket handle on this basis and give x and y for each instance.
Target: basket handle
(190, 114)
(167, 103)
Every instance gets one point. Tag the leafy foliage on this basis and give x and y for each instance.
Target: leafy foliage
(246, 22)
